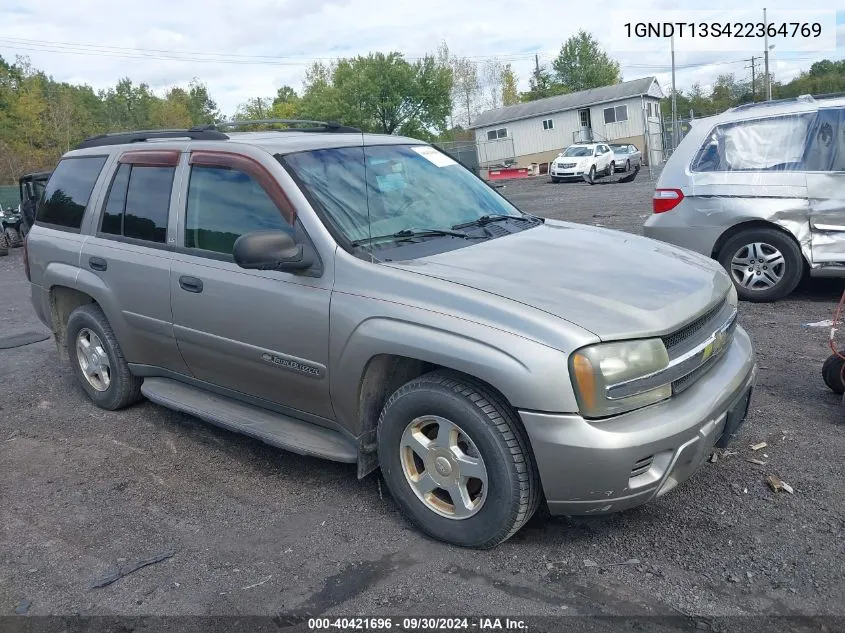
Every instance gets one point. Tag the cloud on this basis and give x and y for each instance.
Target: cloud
(252, 47)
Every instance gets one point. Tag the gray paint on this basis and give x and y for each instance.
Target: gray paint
(508, 311)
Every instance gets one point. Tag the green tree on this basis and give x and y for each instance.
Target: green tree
(582, 64)
(541, 84)
(380, 92)
(510, 92)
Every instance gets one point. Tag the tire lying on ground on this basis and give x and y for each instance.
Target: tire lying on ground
(457, 461)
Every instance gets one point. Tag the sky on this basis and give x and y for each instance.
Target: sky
(250, 48)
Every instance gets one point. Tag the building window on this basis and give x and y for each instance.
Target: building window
(648, 108)
(548, 124)
(492, 135)
(616, 115)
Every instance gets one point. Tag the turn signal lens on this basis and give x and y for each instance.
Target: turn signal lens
(585, 378)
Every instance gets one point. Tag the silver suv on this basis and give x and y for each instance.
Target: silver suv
(760, 188)
(366, 299)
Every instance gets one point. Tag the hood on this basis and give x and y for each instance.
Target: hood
(611, 283)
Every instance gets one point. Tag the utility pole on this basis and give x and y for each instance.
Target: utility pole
(674, 101)
(766, 56)
(753, 80)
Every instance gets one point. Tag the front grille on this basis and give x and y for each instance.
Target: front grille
(642, 466)
(566, 165)
(682, 384)
(675, 339)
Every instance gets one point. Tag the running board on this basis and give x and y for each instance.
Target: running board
(269, 427)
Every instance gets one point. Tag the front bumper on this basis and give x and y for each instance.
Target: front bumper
(597, 467)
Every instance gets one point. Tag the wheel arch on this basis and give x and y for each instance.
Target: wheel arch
(746, 225)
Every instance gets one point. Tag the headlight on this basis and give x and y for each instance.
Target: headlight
(595, 368)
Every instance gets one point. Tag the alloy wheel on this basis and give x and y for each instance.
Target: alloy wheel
(758, 266)
(93, 359)
(443, 467)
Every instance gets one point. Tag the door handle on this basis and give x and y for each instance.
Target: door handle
(191, 284)
(97, 263)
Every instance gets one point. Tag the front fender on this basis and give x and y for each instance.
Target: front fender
(530, 375)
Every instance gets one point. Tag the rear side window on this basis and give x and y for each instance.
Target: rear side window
(69, 190)
(771, 144)
(138, 203)
(826, 149)
(223, 204)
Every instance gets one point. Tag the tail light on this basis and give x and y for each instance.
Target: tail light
(666, 199)
(26, 257)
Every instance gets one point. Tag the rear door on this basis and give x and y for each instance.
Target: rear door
(129, 252)
(825, 163)
(262, 334)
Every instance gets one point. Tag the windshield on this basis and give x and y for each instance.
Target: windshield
(403, 188)
(619, 149)
(578, 151)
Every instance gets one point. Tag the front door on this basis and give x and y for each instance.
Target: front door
(263, 334)
(825, 162)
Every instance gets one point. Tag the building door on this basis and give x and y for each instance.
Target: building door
(586, 132)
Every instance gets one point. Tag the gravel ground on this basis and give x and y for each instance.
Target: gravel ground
(254, 530)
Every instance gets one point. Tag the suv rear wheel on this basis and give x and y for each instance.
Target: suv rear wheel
(764, 264)
(457, 461)
(98, 361)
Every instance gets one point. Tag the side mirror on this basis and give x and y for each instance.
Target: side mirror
(270, 250)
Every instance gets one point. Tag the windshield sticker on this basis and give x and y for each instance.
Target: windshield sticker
(433, 156)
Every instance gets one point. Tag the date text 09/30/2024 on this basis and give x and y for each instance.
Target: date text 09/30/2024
(418, 624)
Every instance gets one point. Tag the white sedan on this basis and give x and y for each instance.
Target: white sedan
(626, 157)
(582, 160)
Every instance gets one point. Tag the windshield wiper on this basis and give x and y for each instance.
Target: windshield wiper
(411, 233)
(494, 217)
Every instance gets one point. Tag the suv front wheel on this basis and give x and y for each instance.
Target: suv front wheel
(457, 461)
(764, 264)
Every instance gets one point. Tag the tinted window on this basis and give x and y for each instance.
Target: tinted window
(112, 222)
(69, 190)
(223, 204)
(147, 203)
(771, 144)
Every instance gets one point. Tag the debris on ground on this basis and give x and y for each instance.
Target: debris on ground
(825, 323)
(13, 435)
(776, 484)
(23, 607)
(759, 462)
(714, 457)
(757, 447)
(630, 561)
(258, 584)
(116, 574)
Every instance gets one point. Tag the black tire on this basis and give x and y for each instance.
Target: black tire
(627, 166)
(13, 238)
(592, 175)
(124, 388)
(793, 263)
(555, 180)
(832, 373)
(513, 491)
(610, 169)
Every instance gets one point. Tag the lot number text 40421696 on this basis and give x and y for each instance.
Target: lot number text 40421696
(417, 624)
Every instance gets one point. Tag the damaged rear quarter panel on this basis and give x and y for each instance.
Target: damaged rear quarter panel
(725, 200)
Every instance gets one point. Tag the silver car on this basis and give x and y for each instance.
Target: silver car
(761, 189)
(626, 157)
(366, 299)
